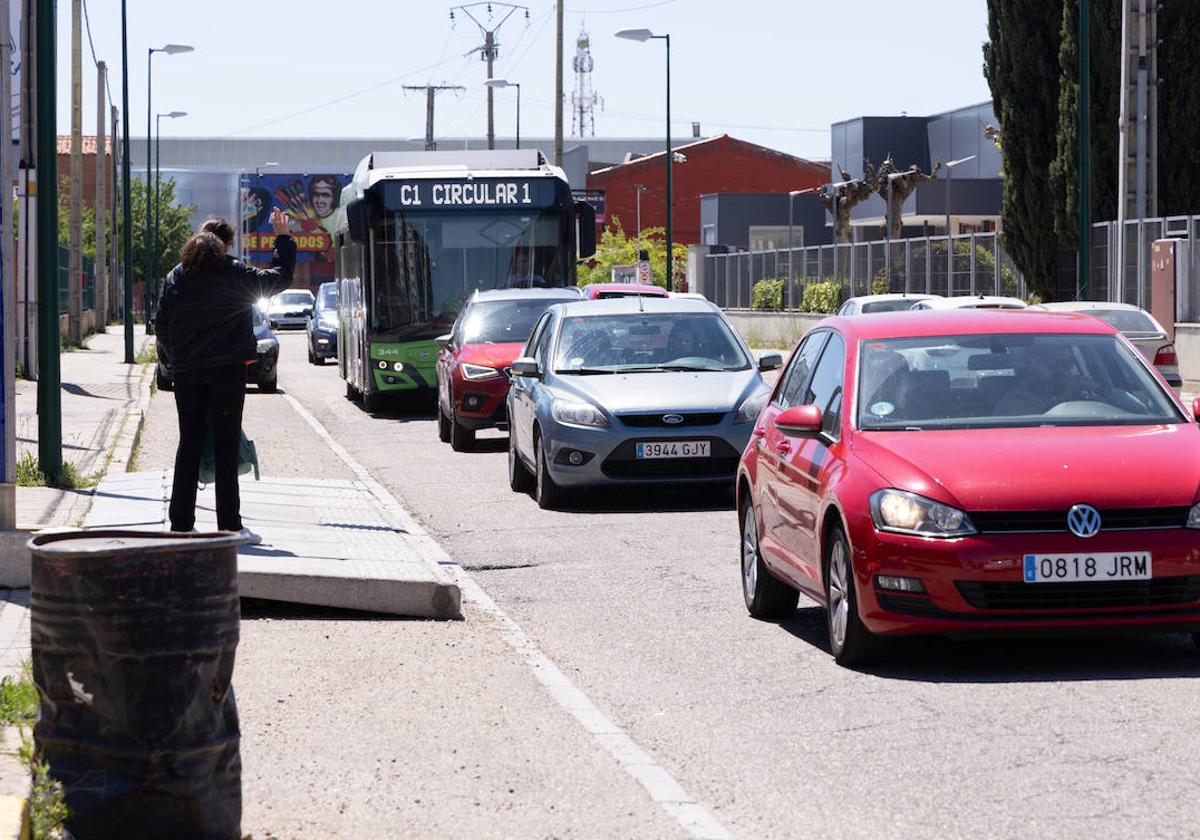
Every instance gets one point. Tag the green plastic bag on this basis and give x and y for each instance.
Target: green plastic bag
(247, 459)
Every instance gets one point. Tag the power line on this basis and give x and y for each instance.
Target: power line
(92, 47)
(619, 11)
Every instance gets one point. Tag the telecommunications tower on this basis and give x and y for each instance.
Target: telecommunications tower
(583, 98)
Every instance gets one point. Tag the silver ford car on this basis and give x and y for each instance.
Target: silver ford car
(639, 390)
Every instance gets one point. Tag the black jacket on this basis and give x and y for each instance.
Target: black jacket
(204, 320)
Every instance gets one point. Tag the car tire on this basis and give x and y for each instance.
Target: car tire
(319, 360)
(269, 386)
(462, 439)
(850, 641)
(163, 383)
(546, 493)
(443, 426)
(1196, 640)
(766, 596)
(519, 477)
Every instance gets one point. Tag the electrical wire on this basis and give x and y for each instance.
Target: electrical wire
(92, 47)
(618, 11)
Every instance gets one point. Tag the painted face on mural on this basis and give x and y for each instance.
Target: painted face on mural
(321, 196)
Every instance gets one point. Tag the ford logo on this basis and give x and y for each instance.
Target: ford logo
(1083, 521)
(672, 419)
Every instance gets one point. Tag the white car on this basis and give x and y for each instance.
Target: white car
(972, 302)
(1137, 325)
(290, 308)
(869, 304)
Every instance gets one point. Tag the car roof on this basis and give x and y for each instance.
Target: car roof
(969, 301)
(628, 288)
(632, 305)
(561, 293)
(918, 324)
(893, 296)
(1084, 305)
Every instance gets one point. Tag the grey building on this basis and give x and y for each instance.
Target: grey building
(759, 221)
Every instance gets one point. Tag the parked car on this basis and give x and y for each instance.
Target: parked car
(1137, 325)
(971, 302)
(874, 304)
(473, 365)
(289, 309)
(263, 372)
(603, 291)
(631, 391)
(950, 472)
(322, 325)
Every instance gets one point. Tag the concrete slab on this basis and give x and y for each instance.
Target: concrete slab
(325, 543)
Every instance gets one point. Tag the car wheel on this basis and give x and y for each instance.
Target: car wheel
(462, 439)
(319, 360)
(269, 386)
(312, 357)
(443, 426)
(766, 596)
(1196, 639)
(163, 382)
(851, 642)
(519, 478)
(546, 493)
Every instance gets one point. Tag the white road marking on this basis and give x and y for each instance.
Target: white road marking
(693, 817)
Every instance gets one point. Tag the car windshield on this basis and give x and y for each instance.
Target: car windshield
(258, 317)
(898, 305)
(1126, 320)
(501, 321)
(328, 299)
(646, 341)
(294, 298)
(1006, 380)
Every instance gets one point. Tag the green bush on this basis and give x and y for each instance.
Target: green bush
(879, 285)
(767, 294)
(823, 297)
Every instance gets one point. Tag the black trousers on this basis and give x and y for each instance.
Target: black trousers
(203, 397)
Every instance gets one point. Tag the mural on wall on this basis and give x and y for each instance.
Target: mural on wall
(310, 203)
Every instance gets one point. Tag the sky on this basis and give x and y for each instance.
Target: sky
(774, 72)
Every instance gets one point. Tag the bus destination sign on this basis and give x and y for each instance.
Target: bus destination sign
(491, 193)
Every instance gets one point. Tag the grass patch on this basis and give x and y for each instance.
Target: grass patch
(29, 474)
(147, 356)
(47, 801)
(18, 699)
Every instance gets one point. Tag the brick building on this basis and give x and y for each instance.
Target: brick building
(89, 166)
(721, 164)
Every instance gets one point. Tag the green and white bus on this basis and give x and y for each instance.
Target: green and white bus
(418, 232)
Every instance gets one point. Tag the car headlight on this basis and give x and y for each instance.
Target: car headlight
(1193, 520)
(328, 319)
(478, 372)
(577, 414)
(908, 513)
(265, 345)
(751, 407)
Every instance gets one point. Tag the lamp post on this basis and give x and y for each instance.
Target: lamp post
(169, 49)
(950, 242)
(791, 275)
(503, 83)
(835, 193)
(245, 223)
(173, 115)
(641, 36)
(887, 228)
(640, 188)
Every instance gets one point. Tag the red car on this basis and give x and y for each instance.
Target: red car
(473, 364)
(601, 291)
(959, 471)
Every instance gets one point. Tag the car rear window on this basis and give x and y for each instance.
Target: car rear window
(898, 305)
(1126, 320)
(504, 321)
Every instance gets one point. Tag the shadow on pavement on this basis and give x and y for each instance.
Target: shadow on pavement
(1017, 659)
(406, 409)
(652, 499)
(255, 609)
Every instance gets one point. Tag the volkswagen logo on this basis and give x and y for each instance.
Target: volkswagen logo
(1083, 520)
(672, 419)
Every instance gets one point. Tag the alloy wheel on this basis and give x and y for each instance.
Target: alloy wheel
(839, 598)
(750, 554)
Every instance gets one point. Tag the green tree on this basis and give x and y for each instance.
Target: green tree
(616, 248)
(1178, 108)
(1021, 65)
(64, 220)
(174, 227)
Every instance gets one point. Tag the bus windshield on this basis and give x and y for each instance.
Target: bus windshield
(426, 264)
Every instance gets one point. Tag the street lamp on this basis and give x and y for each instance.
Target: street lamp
(244, 226)
(641, 188)
(887, 229)
(641, 36)
(169, 49)
(946, 198)
(503, 83)
(173, 115)
(791, 274)
(834, 192)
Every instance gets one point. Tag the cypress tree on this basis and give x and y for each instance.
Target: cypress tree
(1021, 64)
(1178, 108)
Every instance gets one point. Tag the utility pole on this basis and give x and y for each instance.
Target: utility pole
(114, 263)
(489, 50)
(8, 321)
(49, 372)
(126, 188)
(1084, 261)
(100, 206)
(75, 264)
(431, 91)
(558, 86)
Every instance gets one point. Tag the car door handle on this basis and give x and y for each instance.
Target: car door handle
(783, 447)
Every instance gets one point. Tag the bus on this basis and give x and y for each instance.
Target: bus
(417, 233)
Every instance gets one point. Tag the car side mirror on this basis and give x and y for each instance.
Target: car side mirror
(526, 366)
(308, 311)
(770, 361)
(444, 340)
(801, 421)
(1196, 409)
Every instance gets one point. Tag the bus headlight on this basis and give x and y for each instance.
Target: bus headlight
(478, 372)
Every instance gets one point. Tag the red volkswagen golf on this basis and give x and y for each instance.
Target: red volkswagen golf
(472, 366)
(948, 472)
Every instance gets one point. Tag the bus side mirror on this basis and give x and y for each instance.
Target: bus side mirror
(358, 219)
(585, 216)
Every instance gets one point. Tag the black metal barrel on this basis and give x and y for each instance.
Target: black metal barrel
(133, 637)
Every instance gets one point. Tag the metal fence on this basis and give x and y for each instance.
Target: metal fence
(963, 265)
(64, 281)
(1121, 266)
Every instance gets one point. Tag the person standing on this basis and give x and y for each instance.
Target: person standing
(205, 333)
